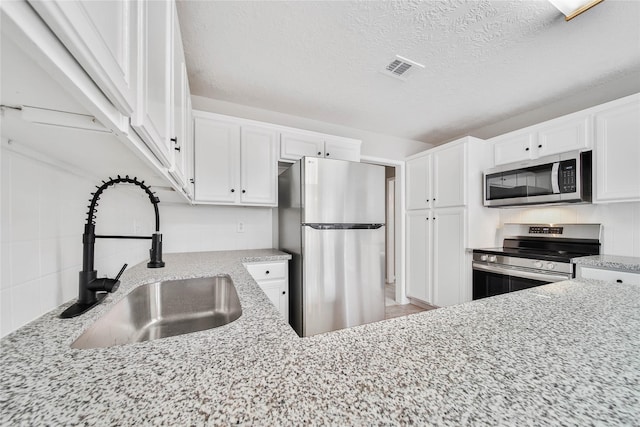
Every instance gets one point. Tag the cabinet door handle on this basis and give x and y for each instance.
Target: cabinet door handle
(176, 148)
(233, 190)
(174, 139)
(319, 153)
(191, 180)
(266, 272)
(526, 149)
(327, 154)
(539, 145)
(243, 191)
(284, 292)
(619, 281)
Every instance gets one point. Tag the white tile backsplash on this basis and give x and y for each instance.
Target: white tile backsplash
(620, 221)
(43, 211)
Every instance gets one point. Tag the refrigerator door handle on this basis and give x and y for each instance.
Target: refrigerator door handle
(344, 226)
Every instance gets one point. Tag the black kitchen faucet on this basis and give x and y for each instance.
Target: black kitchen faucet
(91, 290)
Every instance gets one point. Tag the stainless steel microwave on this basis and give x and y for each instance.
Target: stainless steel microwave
(561, 178)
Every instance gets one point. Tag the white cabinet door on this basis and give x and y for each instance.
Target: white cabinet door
(563, 136)
(449, 177)
(152, 118)
(418, 256)
(617, 154)
(419, 183)
(181, 114)
(101, 35)
(514, 148)
(608, 275)
(448, 256)
(217, 161)
(189, 150)
(258, 166)
(342, 150)
(294, 146)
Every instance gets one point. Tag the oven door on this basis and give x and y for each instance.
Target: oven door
(490, 280)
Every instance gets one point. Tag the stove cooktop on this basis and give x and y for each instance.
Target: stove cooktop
(556, 256)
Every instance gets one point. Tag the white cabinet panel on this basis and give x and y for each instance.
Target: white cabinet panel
(342, 150)
(419, 183)
(449, 177)
(609, 275)
(448, 256)
(514, 148)
(295, 146)
(617, 152)
(560, 137)
(217, 161)
(273, 279)
(102, 36)
(152, 118)
(259, 165)
(418, 256)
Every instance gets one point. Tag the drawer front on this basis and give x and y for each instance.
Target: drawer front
(610, 275)
(267, 271)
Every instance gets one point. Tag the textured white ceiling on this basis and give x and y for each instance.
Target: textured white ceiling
(486, 61)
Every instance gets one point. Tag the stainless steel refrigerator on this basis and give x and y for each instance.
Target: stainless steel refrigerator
(331, 216)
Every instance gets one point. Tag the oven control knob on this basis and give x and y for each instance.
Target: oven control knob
(492, 258)
(551, 266)
(538, 264)
(483, 257)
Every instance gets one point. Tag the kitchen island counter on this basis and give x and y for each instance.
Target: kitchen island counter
(564, 353)
(614, 262)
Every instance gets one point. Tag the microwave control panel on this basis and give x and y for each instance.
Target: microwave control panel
(567, 179)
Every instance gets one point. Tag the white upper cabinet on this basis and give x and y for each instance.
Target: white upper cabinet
(437, 179)
(234, 163)
(342, 150)
(153, 116)
(258, 166)
(181, 110)
(102, 37)
(217, 160)
(295, 145)
(565, 135)
(617, 153)
(419, 183)
(556, 136)
(449, 176)
(514, 148)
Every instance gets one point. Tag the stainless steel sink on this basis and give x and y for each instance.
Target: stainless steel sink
(165, 309)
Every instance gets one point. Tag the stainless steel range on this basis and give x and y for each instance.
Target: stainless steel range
(532, 255)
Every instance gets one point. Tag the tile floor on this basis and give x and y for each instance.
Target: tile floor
(393, 309)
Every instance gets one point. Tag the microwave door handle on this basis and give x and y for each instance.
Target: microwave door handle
(555, 178)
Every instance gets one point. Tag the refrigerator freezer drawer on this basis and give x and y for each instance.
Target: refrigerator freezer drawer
(343, 279)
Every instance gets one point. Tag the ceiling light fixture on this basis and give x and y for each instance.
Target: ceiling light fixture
(572, 8)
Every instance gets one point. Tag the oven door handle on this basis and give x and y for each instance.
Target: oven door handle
(550, 278)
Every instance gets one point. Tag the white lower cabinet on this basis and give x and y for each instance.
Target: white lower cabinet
(273, 279)
(436, 256)
(616, 276)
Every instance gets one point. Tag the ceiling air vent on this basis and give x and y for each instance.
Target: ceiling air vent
(401, 67)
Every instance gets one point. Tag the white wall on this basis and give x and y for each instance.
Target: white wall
(373, 144)
(621, 222)
(213, 228)
(43, 215)
(43, 212)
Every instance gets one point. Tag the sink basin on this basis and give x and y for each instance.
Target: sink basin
(165, 309)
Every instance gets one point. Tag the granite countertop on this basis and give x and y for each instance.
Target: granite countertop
(564, 353)
(612, 262)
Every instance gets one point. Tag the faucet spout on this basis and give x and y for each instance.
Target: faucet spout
(91, 289)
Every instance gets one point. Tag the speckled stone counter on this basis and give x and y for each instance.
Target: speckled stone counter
(564, 353)
(612, 262)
